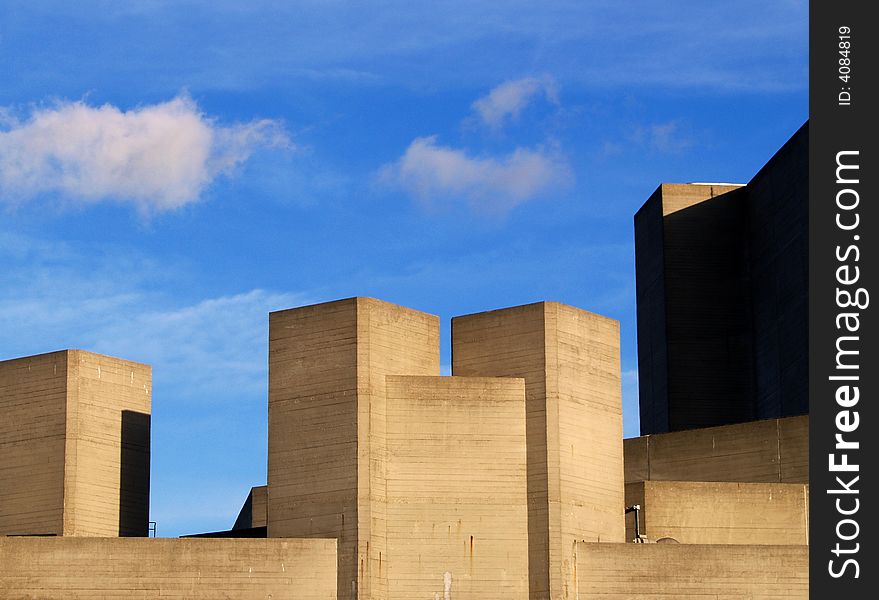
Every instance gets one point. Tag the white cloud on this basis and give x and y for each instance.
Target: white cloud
(508, 99)
(432, 172)
(157, 157)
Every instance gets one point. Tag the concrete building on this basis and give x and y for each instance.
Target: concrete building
(722, 291)
(391, 425)
(508, 479)
(327, 404)
(74, 445)
(569, 359)
(388, 481)
(74, 498)
(734, 484)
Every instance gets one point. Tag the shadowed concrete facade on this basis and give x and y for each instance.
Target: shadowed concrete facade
(695, 352)
(774, 450)
(569, 359)
(697, 512)
(74, 445)
(779, 248)
(672, 571)
(722, 291)
(253, 511)
(86, 569)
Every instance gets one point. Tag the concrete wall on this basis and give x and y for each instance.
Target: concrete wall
(650, 303)
(779, 212)
(89, 568)
(74, 445)
(774, 450)
(456, 488)
(327, 367)
(722, 292)
(259, 505)
(106, 490)
(720, 513)
(569, 359)
(33, 405)
(312, 446)
(697, 321)
(675, 571)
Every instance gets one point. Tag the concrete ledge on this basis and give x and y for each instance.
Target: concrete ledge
(675, 571)
(695, 512)
(774, 450)
(133, 568)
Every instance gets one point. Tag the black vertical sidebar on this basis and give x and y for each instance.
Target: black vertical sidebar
(843, 300)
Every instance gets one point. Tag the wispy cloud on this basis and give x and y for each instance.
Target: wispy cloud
(157, 157)
(214, 348)
(53, 297)
(507, 100)
(667, 138)
(206, 347)
(437, 174)
(749, 46)
(208, 353)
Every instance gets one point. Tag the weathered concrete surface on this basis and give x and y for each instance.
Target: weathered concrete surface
(326, 468)
(107, 568)
(456, 488)
(569, 359)
(106, 491)
(720, 513)
(774, 450)
(74, 445)
(33, 417)
(676, 571)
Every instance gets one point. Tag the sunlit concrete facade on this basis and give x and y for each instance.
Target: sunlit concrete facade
(382, 379)
(509, 478)
(74, 445)
(666, 571)
(768, 451)
(147, 568)
(711, 512)
(569, 359)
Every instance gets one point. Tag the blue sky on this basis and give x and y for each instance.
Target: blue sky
(172, 171)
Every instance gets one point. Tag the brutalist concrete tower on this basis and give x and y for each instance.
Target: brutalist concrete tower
(570, 361)
(722, 290)
(74, 445)
(327, 368)
(420, 478)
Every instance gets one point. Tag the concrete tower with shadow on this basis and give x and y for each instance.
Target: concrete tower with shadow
(722, 294)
